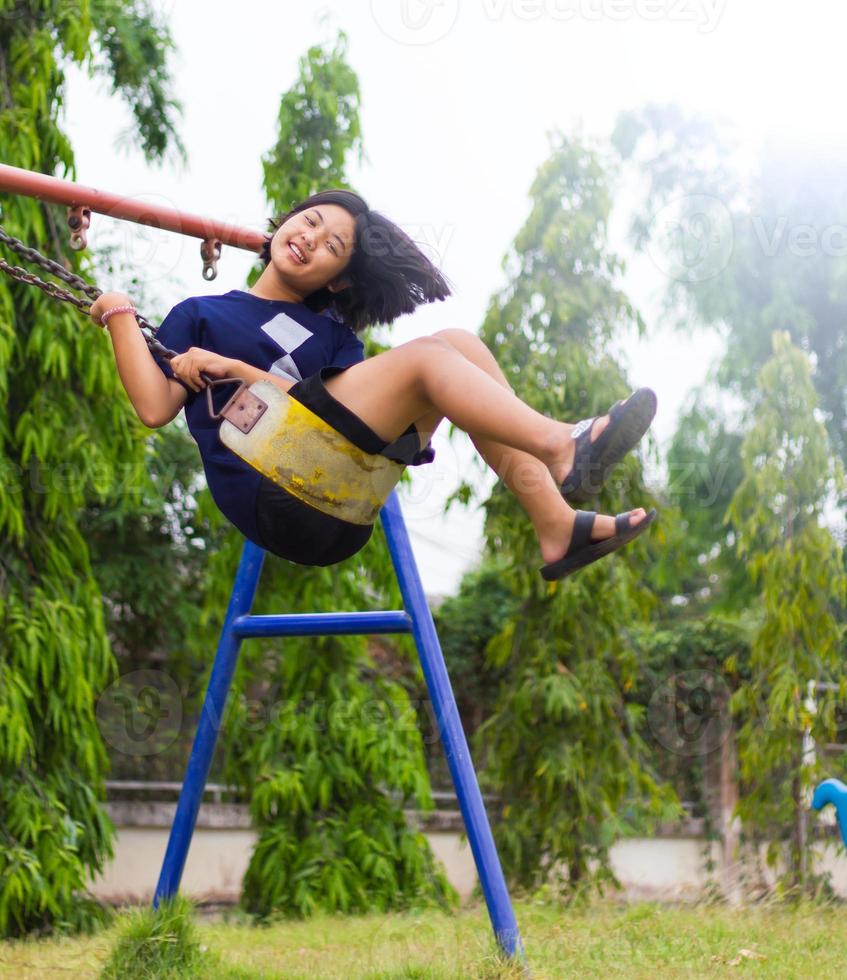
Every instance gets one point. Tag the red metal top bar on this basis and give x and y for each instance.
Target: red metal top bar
(14, 180)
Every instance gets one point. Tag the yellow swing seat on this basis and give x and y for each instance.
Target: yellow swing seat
(304, 455)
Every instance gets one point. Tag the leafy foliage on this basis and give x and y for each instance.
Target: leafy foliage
(691, 665)
(149, 560)
(754, 257)
(749, 255)
(778, 509)
(564, 743)
(466, 623)
(704, 470)
(328, 748)
(318, 127)
(67, 439)
(133, 45)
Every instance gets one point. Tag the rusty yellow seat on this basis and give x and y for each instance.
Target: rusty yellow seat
(304, 455)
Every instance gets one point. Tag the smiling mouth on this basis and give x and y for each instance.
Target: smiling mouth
(297, 253)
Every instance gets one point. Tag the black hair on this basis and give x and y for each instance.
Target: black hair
(389, 275)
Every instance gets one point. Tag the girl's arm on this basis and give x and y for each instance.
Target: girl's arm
(188, 367)
(248, 373)
(155, 398)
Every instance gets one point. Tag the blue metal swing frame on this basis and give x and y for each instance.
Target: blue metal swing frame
(416, 619)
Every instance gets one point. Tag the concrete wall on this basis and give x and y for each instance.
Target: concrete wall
(217, 861)
(666, 868)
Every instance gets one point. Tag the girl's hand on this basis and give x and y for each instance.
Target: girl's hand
(108, 301)
(187, 366)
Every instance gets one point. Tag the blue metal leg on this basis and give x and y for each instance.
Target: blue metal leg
(243, 591)
(452, 734)
(416, 618)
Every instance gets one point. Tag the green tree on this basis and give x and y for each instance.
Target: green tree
(778, 511)
(318, 127)
(690, 664)
(466, 623)
(746, 254)
(704, 470)
(67, 438)
(564, 744)
(149, 561)
(326, 746)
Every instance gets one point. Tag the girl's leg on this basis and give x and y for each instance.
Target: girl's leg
(392, 390)
(525, 475)
(475, 351)
(530, 481)
(428, 378)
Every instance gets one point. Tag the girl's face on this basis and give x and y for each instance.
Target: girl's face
(312, 249)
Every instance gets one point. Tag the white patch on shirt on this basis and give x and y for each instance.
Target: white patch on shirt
(286, 332)
(289, 334)
(286, 368)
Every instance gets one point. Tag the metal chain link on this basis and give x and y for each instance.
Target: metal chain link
(55, 291)
(54, 268)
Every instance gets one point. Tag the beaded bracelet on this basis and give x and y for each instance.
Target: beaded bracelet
(104, 317)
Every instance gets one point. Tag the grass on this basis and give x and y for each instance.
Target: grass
(602, 940)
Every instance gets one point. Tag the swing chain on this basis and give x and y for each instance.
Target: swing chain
(51, 288)
(241, 402)
(55, 291)
(54, 268)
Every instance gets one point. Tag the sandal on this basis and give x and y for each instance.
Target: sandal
(583, 551)
(628, 421)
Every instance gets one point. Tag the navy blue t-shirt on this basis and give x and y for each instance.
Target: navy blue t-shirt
(276, 336)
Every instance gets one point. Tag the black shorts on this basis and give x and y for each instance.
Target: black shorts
(292, 529)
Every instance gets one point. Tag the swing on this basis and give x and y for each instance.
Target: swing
(415, 617)
(272, 432)
(302, 453)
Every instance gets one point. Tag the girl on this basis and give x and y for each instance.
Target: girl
(333, 267)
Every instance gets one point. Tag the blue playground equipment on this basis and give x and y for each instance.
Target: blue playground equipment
(415, 618)
(835, 792)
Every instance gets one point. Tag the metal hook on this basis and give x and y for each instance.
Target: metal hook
(79, 218)
(210, 252)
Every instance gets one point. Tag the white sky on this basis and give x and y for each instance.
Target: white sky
(456, 103)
